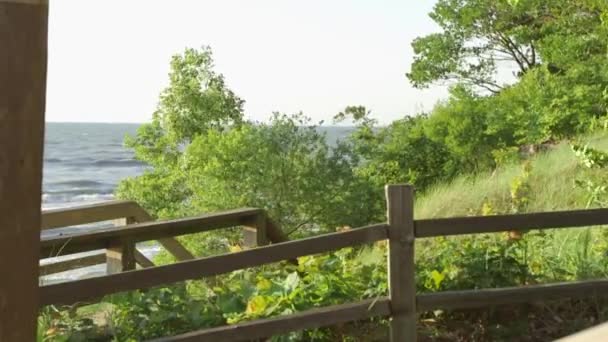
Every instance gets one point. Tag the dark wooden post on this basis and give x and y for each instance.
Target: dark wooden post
(401, 270)
(254, 233)
(23, 55)
(120, 256)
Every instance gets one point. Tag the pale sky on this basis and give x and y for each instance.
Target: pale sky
(108, 60)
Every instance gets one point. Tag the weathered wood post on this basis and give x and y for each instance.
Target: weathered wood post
(401, 271)
(23, 57)
(120, 255)
(254, 232)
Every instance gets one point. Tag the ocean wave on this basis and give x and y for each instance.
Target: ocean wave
(118, 162)
(78, 183)
(114, 162)
(52, 160)
(80, 191)
(62, 198)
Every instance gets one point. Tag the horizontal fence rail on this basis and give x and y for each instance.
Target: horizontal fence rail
(99, 238)
(92, 213)
(115, 246)
(92, 288)
(314, 318)
(510, 295)
(501, 223)
(401, 230)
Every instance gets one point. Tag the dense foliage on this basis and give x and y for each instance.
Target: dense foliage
(524, 75)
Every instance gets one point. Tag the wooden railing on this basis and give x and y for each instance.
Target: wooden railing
(135, 225)
(401, 230)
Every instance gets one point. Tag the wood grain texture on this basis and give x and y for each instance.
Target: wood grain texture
(501, 223)
(176, 249)
(89, 260)
(23, 58)
(86, 289)
(254, 232)
(263, 328)
(120, 256)
(105, 211)
(142, 260)
(401, 268)
(511, 295)
(90, 213)
(274, 232)
(100, 238)
(72, 264)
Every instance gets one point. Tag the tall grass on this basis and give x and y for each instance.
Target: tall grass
(553, 255)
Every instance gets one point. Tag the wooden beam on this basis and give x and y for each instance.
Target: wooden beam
(511, 295)
(142, 260)
(501, 223)
(263, 328)
(401, 268)
(106, 211)
(274, 232)
(86, 261)
(139, 215)
(120, 256)
(86, 289)
(254, 232)
(72, 264)
(100, 237)
(23, 58)
(90, 213)
(176, 249)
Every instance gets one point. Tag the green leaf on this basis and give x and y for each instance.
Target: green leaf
(291, 282)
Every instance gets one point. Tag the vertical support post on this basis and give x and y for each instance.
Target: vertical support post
(120, 255)
(254, 232)
(401, 266)
(23, 58)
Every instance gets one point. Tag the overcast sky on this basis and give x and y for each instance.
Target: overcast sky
(108, 60)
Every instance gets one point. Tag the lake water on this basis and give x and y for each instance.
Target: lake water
(84, 162)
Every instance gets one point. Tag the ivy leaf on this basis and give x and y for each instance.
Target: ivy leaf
(437, 278)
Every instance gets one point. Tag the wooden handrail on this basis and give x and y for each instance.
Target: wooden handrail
(91, 213)
(86, 289)
(501, 223)
(314, 318)
(100, 237)
(401, 231)
(510, 295)
(105, 211)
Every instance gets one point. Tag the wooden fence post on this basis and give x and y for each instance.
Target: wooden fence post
(23, 57)
(254, 233)
(401, 266)
(120, 255)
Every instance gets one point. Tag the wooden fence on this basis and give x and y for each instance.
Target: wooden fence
(119, 252)
(401, 230)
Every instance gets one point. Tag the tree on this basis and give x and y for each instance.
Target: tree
(204, 156)
(479, 36)
(399, 153)
(195, 101)
(284, 166)
(476, 35)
